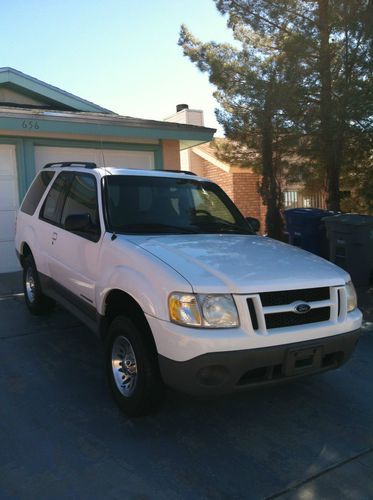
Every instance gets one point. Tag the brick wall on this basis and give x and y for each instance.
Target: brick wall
(242, 188)
(222, 178)
(246, 196)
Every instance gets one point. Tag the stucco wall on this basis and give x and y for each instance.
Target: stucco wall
(171, 154)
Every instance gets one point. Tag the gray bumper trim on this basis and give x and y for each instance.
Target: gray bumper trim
(230, 371)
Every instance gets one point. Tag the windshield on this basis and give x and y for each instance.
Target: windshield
(161, 205)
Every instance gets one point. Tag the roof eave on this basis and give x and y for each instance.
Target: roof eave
(43, 89)
(105, 125)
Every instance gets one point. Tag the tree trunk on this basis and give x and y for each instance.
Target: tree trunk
(269, 187)
(330, 147)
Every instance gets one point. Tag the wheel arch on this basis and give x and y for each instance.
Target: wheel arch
(117, 302)
(25, 251)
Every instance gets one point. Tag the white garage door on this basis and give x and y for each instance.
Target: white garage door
(8, 207)
(105, 157)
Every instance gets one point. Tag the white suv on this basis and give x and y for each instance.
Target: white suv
(168, 272)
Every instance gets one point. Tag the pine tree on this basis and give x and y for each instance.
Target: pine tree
(249, 84)
(303, 76)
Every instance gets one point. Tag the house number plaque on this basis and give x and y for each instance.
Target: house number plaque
(30, 124)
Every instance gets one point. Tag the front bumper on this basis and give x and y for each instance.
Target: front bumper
(231, 371)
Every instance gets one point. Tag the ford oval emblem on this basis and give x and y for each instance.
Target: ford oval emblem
(302, 308)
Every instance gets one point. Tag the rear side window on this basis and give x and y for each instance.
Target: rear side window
(82, 200)
(52, 204)
(36, 191)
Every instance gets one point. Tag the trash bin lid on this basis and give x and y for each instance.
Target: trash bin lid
(351, 219)
(309, 212)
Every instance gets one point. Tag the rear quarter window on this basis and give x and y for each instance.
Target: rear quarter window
(36, 191)
(51, 209)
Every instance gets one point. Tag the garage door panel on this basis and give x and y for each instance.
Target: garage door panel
(7, 159)
(7, 225)
(129, 159)
(44, 155)
(8, 259)
(9, 202)
(102, 158)
(8, 193)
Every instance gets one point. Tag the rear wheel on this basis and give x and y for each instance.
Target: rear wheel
(132, 368)
(36, 301)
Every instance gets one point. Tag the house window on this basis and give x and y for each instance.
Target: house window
(290, 199)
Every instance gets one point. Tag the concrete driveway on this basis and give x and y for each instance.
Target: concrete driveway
(61, 436)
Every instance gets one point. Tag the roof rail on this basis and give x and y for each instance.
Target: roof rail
(188, 172)
(63, 164)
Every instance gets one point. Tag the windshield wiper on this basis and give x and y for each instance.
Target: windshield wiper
(157, 228)
(219, 224)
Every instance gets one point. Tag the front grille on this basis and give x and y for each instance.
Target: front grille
(289, 296)
(254, 319)
(260, 313)
(279, 320)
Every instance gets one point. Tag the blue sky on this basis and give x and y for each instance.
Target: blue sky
(120, 54)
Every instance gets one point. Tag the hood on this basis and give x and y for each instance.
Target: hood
(241, 263)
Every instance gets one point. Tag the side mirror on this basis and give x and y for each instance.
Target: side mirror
(254, 223)
(78, 222)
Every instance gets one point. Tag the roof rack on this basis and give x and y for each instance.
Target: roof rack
(63, 164)
(188, 172)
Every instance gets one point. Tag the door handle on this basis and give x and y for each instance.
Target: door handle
(54, 236)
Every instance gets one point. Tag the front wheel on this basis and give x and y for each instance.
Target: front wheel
(132, 368)
(36, 301)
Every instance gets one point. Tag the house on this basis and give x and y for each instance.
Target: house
(40, 123)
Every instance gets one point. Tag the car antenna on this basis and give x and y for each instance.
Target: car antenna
(103, 157)
(113, 236)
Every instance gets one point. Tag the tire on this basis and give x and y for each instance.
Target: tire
(36, 301)
(137, 388)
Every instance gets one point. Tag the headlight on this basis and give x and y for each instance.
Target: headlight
(184, 309)
(218, 311)
(206, 311)
(351, 297)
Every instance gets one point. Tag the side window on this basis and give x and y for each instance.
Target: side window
(81, 201)
(52, 204)
(36, 191)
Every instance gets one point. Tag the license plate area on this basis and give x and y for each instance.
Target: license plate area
(302, 360)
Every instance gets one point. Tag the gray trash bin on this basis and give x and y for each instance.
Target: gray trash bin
(351, 245)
